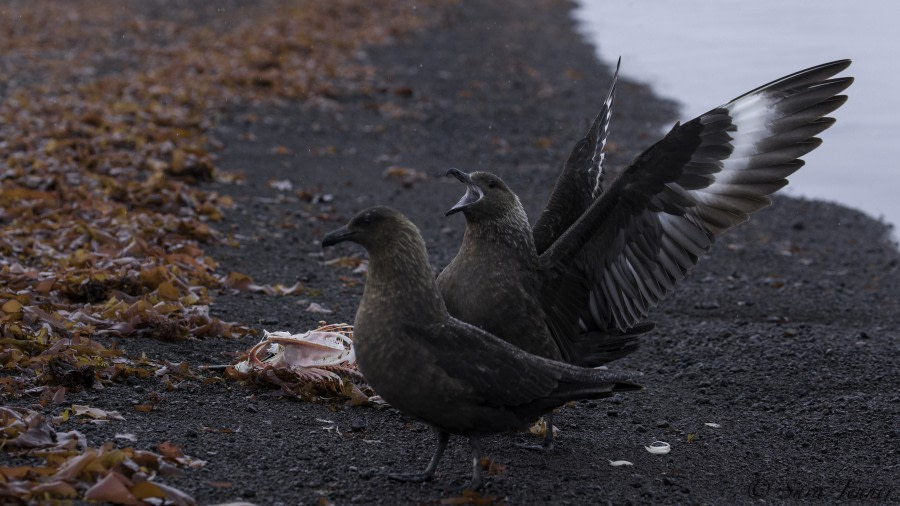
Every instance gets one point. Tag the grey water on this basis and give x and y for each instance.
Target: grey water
(704, 53)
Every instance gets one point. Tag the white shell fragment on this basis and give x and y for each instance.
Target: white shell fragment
(315, 307)
(284, 185)
(713, 425)
(95, 413)
(659, 448)
(617, 463)
(315, 348)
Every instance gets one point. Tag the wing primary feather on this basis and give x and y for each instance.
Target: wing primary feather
(602, 122)
(640, 235)
(801, 78)
(770, 158)
(815, 94)
(761, 174)
(799, 118)
(783, 138)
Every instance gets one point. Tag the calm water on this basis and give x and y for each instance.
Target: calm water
(705, 53)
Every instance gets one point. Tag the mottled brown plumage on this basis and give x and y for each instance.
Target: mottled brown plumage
(609, 246)
(497, 282)
(452, 375)
(606, 250)
(494, 279)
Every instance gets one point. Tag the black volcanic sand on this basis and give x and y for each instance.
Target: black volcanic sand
(785, 336)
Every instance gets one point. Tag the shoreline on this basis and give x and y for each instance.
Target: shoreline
(784, 336)
(702, 55)
(781, 278)
(792, 190)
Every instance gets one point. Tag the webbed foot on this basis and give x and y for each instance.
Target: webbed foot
(412, 477)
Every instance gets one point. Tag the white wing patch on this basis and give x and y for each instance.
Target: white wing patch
(747, 149)
(750, 116)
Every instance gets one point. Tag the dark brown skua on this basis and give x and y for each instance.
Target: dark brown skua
(453, 376)
(609, 246)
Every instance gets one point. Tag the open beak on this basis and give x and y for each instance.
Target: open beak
(336, 236)
(473, 191)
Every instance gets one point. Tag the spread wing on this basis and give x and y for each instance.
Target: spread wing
(627, 252)
(580, 181)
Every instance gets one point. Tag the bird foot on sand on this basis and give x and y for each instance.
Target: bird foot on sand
(411, 477)
(543, 447)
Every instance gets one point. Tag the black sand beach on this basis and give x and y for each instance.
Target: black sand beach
(785, 337)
